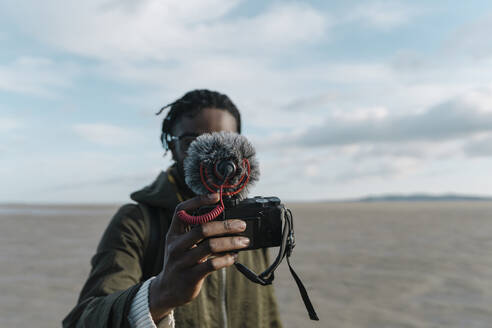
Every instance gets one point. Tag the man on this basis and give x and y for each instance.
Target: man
(179, 280)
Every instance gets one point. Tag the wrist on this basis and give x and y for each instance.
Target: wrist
(160, 302)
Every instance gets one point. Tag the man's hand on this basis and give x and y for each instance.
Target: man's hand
(188, 260)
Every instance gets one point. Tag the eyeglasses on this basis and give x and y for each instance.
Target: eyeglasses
(185, 140)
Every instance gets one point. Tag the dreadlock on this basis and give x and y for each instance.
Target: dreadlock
(191, 103)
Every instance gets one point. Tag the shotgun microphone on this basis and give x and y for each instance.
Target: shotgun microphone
(221, 160)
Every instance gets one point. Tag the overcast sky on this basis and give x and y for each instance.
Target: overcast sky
(341, 98)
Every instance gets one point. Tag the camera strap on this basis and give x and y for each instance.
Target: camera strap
(286, 247)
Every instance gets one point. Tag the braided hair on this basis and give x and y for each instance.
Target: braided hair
(190, 104)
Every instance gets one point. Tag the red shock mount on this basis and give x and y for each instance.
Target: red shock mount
(204, 176)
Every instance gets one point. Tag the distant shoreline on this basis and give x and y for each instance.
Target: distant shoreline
(420, 197)
(403, 198)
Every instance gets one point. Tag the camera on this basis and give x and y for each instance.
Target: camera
(225, 162)
(263, 217)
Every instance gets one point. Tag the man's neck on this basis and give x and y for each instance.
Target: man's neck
(183, 188)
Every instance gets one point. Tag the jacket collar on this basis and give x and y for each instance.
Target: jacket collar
(167, 190)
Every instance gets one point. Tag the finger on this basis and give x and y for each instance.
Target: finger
(214, 246)
(214, 264)
(178, 226)
(210, 229)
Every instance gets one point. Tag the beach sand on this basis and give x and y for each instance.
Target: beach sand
(364, 264)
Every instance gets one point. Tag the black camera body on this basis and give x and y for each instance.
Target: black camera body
(263, 217)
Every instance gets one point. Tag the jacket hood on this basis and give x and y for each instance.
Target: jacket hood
(163, 192)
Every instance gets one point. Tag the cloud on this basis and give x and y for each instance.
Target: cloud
(35, 75)
(418, 150)
(174, 46)
(76, 175)
(9, 136)
(106, 135)
(380, 168)
(307, 103)
(166, 30)
(281, 25)
(103, 182)
(472, 40)
(381, 14)
(378, 143)
(479, 147)
(451, 120)
(8, 124)
(300, 173)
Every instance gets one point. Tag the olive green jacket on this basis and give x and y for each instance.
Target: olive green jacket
(117, 272)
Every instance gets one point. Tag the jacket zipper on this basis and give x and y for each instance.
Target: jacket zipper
(223, 297)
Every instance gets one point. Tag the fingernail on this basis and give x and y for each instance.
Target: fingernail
(234, 256)
(243, 241)
(238, 225)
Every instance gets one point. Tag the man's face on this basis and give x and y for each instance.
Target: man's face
(207, 120)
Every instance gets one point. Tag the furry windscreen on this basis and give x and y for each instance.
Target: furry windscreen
(210, 148)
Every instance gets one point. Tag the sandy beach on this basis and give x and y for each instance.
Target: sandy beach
(375, 265)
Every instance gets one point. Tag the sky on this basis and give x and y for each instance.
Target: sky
(342, 99)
